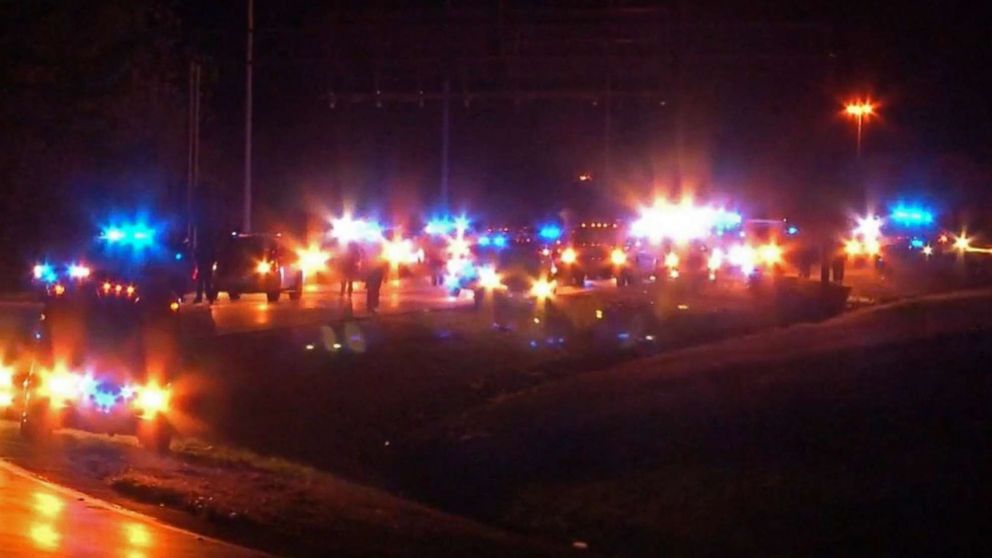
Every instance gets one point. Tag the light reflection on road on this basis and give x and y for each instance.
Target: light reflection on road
(253, 313)
(39, 519)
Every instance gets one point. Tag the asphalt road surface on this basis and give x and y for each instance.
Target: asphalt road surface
(253, 313)
(41, 519)
(318, 305)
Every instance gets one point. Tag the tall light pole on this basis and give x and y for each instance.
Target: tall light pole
(860, 111)
(193, 160)
(246, 217)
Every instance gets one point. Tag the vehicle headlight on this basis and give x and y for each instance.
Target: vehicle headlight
(263, 267)
(61, 386)
(6, 386)
(152, 399)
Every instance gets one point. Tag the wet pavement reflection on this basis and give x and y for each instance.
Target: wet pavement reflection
(39, 519)
(253, 313)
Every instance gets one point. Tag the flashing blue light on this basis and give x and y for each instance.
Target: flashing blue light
(134, 235)
(792, 230)
(113, 234)
(500, 241)
(485, 240)
(911, 216)
(550, 231)
(727, 219)
(88, 386)
(452, 281)
(44, 272)
(373, 231)
(917, 243)
(104, 399)
(439, 226)
(179, 256)
(447, 224)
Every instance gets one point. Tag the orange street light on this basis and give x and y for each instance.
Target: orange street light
(860, 111)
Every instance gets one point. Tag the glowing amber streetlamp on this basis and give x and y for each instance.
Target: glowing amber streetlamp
(860, 111)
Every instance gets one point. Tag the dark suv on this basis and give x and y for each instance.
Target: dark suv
(256, 263)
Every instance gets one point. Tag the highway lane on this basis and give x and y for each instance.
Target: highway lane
(254, 313)
(38, 518)
(320, 305)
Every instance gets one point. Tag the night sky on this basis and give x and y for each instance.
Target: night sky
(748, 100)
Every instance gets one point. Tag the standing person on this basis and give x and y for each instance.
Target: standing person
(205, 254)
(373, 284)
(350, 262)
(435, 258)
